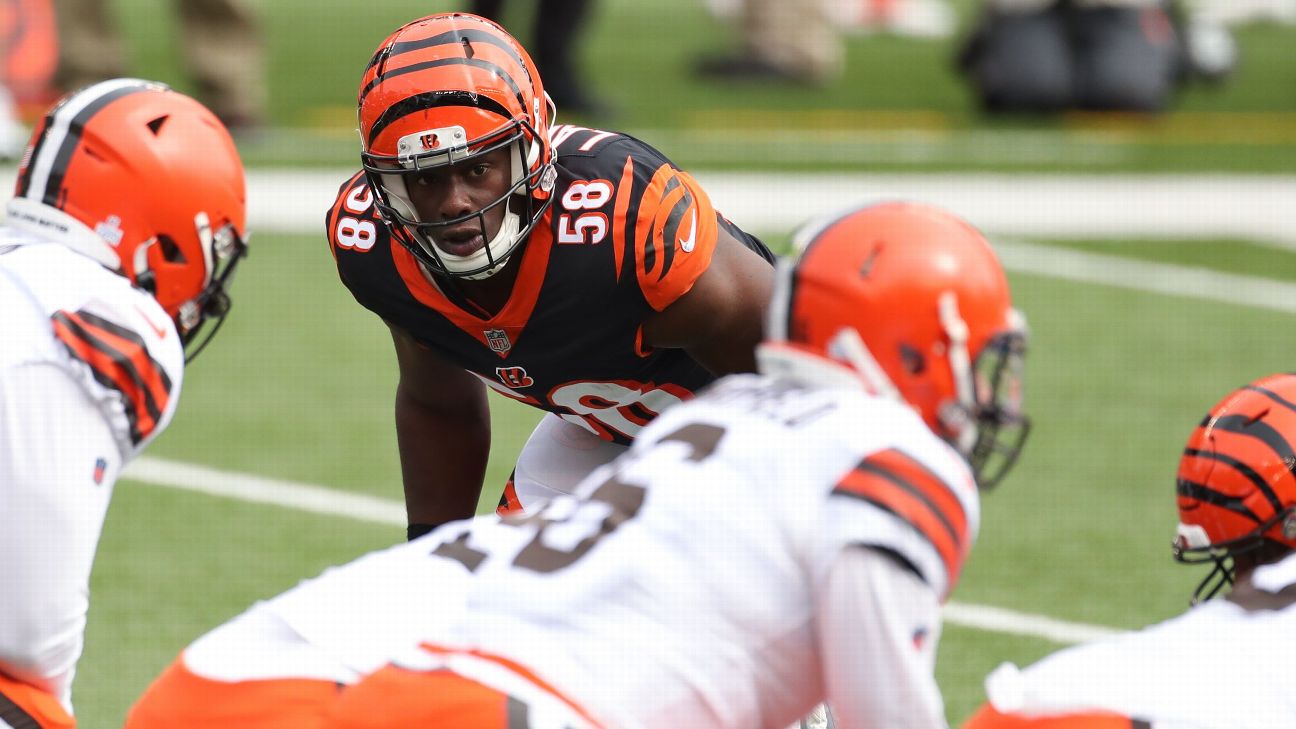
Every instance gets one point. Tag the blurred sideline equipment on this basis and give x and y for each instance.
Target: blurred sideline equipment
(1237, 510)
(125, 226)
(832, 500)
(1042, 56)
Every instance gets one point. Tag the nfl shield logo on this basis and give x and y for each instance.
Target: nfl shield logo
(498, 340)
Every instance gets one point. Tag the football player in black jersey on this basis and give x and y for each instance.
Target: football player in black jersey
(572, 269)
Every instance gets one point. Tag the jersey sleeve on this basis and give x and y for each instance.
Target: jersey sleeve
(879, 626)
(668, 225)
(921, 508)
(136, 364)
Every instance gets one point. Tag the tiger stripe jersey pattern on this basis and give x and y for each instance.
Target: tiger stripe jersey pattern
(721, 573)
(627, 234)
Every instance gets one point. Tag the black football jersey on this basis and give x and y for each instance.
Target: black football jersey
(627, 234)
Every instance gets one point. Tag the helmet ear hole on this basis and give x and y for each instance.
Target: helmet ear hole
(171, 251)
(913, 361)
(155, 126)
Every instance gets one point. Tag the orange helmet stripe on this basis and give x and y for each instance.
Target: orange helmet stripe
(432, 100)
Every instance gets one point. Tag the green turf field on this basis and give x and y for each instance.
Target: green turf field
(299, 385)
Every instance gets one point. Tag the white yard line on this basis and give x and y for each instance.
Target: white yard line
(1245, 207)
(261, 490)
(1095, 206)
(1160, 278)
(1012, 622)
(1254, 207)
(331, 502)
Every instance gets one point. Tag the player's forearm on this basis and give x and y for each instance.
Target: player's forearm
(443, 461)
(879, 628)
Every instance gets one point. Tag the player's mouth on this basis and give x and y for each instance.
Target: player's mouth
(462, 242)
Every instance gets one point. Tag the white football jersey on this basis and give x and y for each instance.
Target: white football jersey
(686, 584)
(682, 589)
(65, 309)
(1222, 665)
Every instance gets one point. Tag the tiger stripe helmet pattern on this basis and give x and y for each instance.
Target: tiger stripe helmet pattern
(440, 91)
(1235, 487)
(910, 301)
(148, 182)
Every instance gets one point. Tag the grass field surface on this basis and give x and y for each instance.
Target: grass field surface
(299, 385)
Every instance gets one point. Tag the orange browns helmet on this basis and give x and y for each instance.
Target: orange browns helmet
(442, 90)
(912, 302)
(1236, 488)
(146, 181)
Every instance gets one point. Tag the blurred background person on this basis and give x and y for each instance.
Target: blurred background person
(28, 52)
(220, 39)
(557, 27)
(803, 40)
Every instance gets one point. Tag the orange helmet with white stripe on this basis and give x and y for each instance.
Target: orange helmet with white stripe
(440, 91)
(1236, 487)
(148, 182)
(910, 301)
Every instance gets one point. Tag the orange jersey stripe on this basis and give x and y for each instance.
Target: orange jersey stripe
(119, 360)
(902, 486)
(516, 313)
(624, 192)
(180, 697)
(157, 386)
(988, 718)
(675, 236)
(520, 670)
(24, 706)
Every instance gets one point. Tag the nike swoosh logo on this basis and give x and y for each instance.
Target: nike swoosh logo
(160, 331)
(686, 244)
